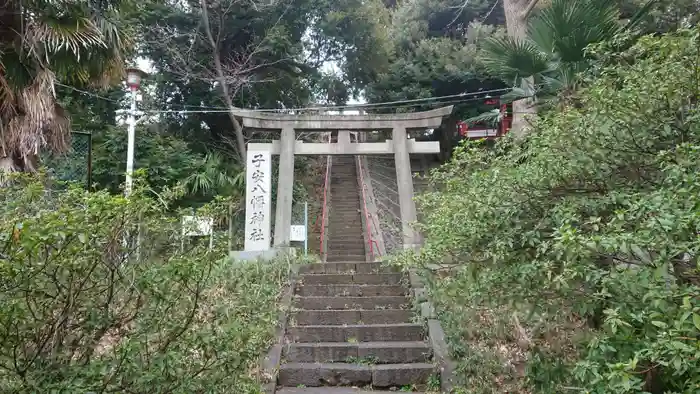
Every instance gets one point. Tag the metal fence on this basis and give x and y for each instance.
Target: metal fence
(76, 164)
(383, 177)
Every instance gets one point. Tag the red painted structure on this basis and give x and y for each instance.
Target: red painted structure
(488, 131)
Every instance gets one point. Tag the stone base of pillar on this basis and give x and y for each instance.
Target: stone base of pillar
(265, 255)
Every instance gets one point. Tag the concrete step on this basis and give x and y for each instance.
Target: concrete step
(342, 374)
(351, 316)
(370, 303)
(332, 390)
(345, 267)
(333, 258)
(348, 279)
(346, 246)
(346, 241)
(403, 332)
(367, 353)
(351, 290)
(354, 253)
(345, 253)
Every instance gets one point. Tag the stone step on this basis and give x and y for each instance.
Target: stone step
(355, 254)
(403, 332)
(345, 267)
(343, 248)
(332, 390)
(394, 278)
(351, 316)
(342, 374)
(371, 303)
(367, 353)
(351, 290)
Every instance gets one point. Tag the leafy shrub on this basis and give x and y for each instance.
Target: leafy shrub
(83, 310)
(569, 260)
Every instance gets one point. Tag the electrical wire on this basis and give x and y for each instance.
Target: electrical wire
(456, 98)
(396, 104)
(86, 92)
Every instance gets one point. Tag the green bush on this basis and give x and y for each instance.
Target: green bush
(83, 310)
(569, 260)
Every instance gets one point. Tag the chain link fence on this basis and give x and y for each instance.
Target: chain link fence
(76, 164)
(382, 173)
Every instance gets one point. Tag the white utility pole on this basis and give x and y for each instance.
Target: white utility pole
(133, 80)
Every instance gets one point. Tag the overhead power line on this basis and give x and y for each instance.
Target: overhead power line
(87, 93)
(447, 99)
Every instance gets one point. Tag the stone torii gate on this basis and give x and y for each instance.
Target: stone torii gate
(258, 217)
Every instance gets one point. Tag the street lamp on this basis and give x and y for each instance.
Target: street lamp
(133, 81)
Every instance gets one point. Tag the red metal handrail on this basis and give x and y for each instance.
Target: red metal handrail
(325, 196)
(370, 239)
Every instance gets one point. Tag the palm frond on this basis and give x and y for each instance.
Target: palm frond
(566, 27)
(513, 59)
(70, 40)
(214, 174)
(492, 117)
(515, 94)
(75, 35)
(638, 17)
(42, 124)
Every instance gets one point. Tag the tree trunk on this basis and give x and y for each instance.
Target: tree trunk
(7, 166)
(517, 13)
(240, 140)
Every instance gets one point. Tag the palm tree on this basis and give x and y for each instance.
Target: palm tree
(548, 61)
(216, 176)
(79, 42)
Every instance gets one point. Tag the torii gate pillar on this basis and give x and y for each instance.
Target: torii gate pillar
(400, 146)
(285, 188)
(404, 183)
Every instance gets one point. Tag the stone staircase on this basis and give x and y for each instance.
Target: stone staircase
(352, 328)
(345, 230)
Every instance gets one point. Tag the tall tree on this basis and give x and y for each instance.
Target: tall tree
(78, 42)
(435, 53)
(241, 54)
(517, 13)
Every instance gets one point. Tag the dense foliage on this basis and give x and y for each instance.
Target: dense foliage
(435, 46)
(568, 261)
(272, 54)
(83, 310)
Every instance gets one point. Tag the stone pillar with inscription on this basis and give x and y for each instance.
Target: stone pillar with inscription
(404, 181)
(258, 192)
(285, 188)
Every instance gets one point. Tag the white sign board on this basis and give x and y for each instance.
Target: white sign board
(298, 233)
(257, 209)
(193, 226)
